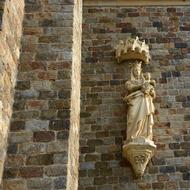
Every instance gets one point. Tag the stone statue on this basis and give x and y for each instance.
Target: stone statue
(140, 97)
(138, 147)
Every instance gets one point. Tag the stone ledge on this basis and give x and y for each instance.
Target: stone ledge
(135, 2)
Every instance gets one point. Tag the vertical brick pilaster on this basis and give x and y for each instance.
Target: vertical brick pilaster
(45, 122)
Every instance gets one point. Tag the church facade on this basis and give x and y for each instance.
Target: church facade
(63, 118)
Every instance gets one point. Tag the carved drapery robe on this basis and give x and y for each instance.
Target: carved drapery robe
(140, 110)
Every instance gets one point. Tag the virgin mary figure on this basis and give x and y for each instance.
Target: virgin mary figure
(140, 105)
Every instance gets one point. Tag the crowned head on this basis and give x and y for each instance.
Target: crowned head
(136, 69)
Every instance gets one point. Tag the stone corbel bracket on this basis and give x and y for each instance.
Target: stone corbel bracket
(139, 152)
(132, 49)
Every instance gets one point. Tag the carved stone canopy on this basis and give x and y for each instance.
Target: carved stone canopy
(132, 49)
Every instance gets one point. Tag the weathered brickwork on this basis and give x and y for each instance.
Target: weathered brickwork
(11, 17)
(103, 113)
(44, 132)
(42, 127)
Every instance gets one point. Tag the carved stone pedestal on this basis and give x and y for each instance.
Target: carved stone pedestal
(138, 152)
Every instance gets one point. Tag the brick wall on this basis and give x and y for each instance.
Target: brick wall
(43, 142)
(103, 113)
(11, 16)
(43, 128)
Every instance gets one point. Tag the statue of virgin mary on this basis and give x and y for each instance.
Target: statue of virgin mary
(140, 104)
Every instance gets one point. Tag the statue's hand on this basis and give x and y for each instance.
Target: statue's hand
(127, 100)
(152, 93)
(153, 83)
(144, 88)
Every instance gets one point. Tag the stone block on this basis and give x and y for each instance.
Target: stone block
(32, 148)
(43, 136)
(14, 184)
(59, 146)
(15, 161)
(41, 159)
(20, 137)
(17, 125)
(39, 183)
(60, 183)
(56, 170)
(30, 172)
(63, 135)
(48, 114)
(59, 125)
(23, 85)
(41, 85)
(10, 173)
(37, 125)
(60, 158)
(47, 94)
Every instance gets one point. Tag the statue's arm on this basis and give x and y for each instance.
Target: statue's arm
(132, 87)
(153, 83)
(153, 93)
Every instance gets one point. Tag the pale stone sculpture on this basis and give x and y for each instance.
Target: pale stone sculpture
(138, 147)
(140, 105)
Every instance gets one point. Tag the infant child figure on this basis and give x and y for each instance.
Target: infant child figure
(148, 86)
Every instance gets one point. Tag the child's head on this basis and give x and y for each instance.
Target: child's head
(147, 76)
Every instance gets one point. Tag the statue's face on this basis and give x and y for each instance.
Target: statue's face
(137, 71)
